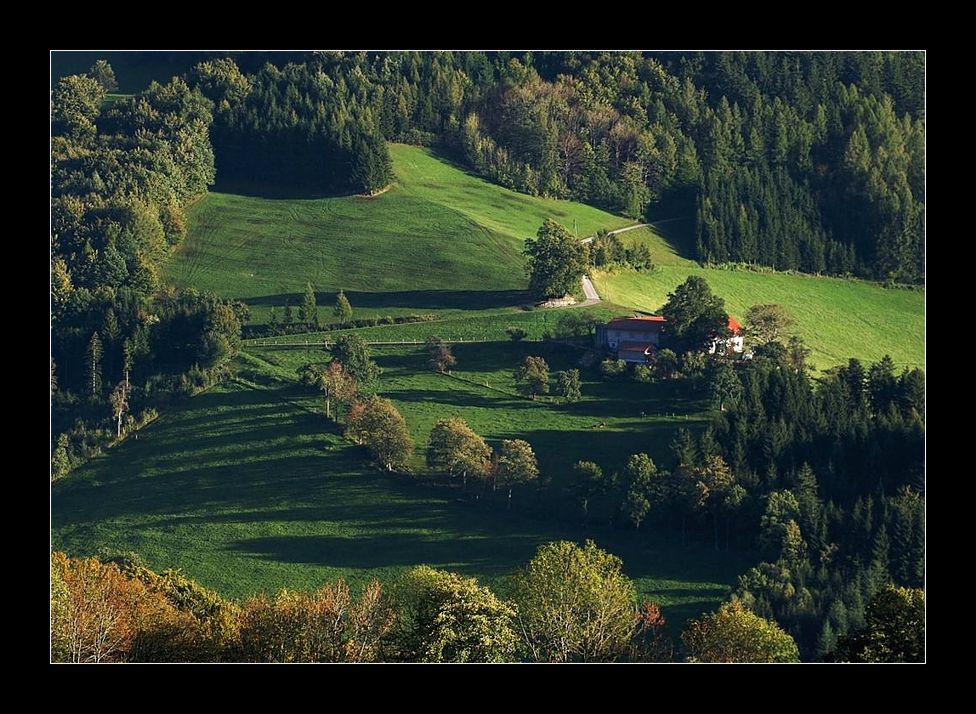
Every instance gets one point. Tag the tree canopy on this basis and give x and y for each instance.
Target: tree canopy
(574, 604)
(695, 315)
(557, 261)
(734, 634)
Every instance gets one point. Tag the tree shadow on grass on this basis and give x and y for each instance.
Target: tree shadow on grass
(408, 299)
(274, 190)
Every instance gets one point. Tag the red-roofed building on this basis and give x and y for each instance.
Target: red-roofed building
(635, 339)
(734, 343)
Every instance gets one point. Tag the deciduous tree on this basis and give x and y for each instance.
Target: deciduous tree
(120, 403)
(439, 355)
(448, 618)
(338, 385)
(557, 261)
(894, 629)
(379, 426)
(532, 377)
(454, 447)
(353, 353)
(695, 315)
(515, 464)
(734, 634)
(568, 385)
(574, 604)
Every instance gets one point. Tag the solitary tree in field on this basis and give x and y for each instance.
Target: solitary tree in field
(93, 366)
(515, 463)
(734, 634)
(342, 309)
(456, 448)
(309, 311)
(532, 377)
(643, 488)
(557, 261)
(120, 403)
(439, 354)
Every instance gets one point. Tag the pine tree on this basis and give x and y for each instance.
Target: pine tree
(309, 312)
(93, 367)
(342, 309)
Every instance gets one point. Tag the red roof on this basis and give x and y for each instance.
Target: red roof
(649, 323)
(642, 347)
(655, 323)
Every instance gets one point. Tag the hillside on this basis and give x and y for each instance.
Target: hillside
(439, 240)
(837, 318)
(248, 490)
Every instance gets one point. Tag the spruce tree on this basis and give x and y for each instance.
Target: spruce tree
(93, 367)
(309, 312)
(342, 309)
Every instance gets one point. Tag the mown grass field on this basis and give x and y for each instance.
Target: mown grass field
(439, 241)
(248, 490)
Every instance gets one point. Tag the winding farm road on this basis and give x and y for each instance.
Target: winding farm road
(592, 297)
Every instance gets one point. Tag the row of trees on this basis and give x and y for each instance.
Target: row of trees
(570, 603)
(454, 448)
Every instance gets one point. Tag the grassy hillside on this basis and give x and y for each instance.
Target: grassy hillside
(247, 490)
(440, 240)
(605, 426)
(837, 318)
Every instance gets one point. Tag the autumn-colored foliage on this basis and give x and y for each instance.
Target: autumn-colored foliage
(324, 626)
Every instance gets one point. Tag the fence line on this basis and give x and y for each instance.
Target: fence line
(327, 343)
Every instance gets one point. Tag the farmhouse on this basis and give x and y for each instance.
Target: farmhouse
(635, 339)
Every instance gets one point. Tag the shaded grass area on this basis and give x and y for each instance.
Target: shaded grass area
(250, 490)
(484, 325)
(837, 318)
(613, 419)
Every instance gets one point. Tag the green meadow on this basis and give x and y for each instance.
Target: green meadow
(439, 241)
(250, 489)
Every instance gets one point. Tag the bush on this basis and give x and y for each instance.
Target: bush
(516, 334)
(612, 368)
(642, 373)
